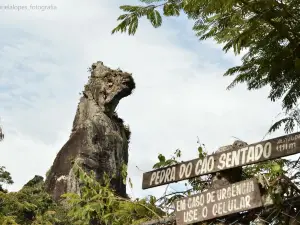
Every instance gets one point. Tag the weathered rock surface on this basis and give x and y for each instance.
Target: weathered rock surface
(99, 139)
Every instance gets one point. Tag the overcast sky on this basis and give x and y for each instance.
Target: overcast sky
(180, 93)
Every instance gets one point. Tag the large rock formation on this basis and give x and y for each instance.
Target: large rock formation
(99, 139)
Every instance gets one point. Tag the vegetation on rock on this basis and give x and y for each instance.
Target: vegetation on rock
(96, 204)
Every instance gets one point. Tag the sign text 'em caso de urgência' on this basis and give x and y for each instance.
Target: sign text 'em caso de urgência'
(253, 153)
(237, 197)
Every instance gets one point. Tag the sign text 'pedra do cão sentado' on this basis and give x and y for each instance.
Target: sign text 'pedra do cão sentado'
(253, 153)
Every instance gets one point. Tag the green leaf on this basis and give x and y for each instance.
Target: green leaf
(200, 150)
(161, 158)
(152, 200)
(124, 173)
(129, 8)
(178, 153)
(122, 27)
(154, 17)
(122, 17)
(170, 162)
(278, 124)
(133, 26)
(276, 168)
(157, 165)
(171, 9)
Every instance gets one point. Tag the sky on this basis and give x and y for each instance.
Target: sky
(180, 91)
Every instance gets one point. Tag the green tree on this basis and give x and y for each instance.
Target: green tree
(5, 178)
(291, 120)
(31, 205)
(268, 29)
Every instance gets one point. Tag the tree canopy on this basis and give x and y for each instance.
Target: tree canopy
(269, 31)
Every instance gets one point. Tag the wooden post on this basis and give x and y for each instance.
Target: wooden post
(230, 176)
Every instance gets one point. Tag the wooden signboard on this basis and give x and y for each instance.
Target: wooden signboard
(214, 203)
(253, 153)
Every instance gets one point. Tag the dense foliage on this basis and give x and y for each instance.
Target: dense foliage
(30, 205)
(269, 30)
(5, 178)
(98, 204)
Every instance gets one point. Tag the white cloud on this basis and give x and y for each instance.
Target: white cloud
(180, 93)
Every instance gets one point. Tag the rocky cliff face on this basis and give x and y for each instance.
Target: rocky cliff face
(99, 139)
